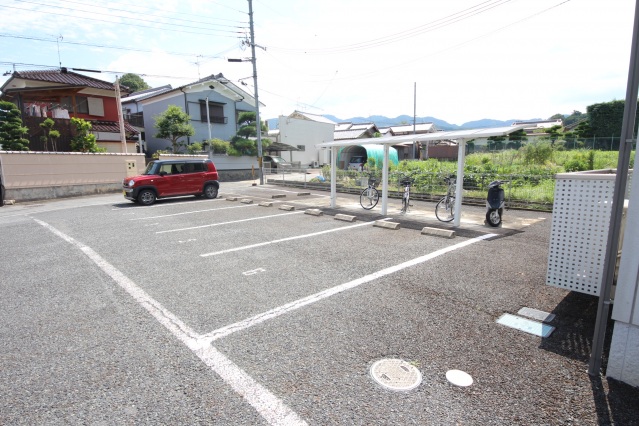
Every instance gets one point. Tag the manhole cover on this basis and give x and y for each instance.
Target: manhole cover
(459, 378)
(396, 374)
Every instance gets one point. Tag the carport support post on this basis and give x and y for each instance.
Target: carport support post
(333, 177)
(385, 180)
(459, 188)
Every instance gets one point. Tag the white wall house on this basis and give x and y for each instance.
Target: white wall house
(623, 359)
(303, 130)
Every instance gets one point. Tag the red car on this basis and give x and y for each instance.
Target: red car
(172, 178)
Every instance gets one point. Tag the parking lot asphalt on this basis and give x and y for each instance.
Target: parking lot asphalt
(246, 310)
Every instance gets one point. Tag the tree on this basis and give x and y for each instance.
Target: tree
(49, 134)
(553, 133)
(134, 82)
(172, 125)
(575, 117)
(11, 128)
(241, 144)
(496, 142)
(84, 141)
(606, 118)
(515, 139)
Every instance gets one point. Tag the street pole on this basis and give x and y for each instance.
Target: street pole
(625, 147)
(257, 100)
(208, 121)
(120, 118)
(414, 115)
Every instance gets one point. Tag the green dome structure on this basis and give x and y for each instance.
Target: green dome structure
(369, 151)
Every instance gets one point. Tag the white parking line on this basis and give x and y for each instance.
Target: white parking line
(297, 237)
(194, 211)
(281, 310)
(270, 407)
(228, 223)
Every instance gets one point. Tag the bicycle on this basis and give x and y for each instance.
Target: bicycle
(369, 196)
(406, 182)
(445, 208)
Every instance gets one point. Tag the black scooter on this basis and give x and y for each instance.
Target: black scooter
(495, 202)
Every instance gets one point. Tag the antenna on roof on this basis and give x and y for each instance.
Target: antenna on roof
(58, 40)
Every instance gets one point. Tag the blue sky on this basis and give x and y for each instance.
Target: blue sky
(499, 59)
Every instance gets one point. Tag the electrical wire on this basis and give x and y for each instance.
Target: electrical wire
(402, 35)
(137, 25)
(104, 46)
(126, 17)
(430, 54)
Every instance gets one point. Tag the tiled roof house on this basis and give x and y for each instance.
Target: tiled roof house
(61, 94)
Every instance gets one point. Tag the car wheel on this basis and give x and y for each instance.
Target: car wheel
(146, 197)
(210, 191)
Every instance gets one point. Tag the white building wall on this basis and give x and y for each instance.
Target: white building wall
(623, 361)
(306, 133)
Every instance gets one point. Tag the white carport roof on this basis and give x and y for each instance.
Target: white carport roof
(424, 137)
(461, 136)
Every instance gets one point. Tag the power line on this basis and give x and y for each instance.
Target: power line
(125, 17)
(397, 65)
(132, 49)
(136, 24)
(402, 35)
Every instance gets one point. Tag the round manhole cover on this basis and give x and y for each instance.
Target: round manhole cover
(396, 374)
(459, 378)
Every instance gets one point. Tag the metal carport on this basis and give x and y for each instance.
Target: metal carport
(460, 136)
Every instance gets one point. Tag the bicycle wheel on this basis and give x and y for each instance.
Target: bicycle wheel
(445, 209)
(369, 198)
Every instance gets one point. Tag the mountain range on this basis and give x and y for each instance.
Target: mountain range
(382, 121)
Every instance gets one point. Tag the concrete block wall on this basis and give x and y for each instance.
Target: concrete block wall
(28, 176)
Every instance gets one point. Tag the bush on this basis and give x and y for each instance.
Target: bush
(194, 148)
(218, 146)
(537, 153)
(83, 141)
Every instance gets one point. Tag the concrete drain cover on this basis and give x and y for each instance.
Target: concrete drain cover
(396, 374)
(459, 378)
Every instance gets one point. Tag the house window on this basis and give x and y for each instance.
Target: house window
(81, 105)
(216, 113)
(301, 147)
(66, 103)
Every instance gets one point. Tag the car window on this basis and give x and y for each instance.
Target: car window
(151, 168)
(188, 168)
(171, 169)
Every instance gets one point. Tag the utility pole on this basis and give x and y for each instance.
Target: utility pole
(257, 99)
(120, 118)
(414, 115)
